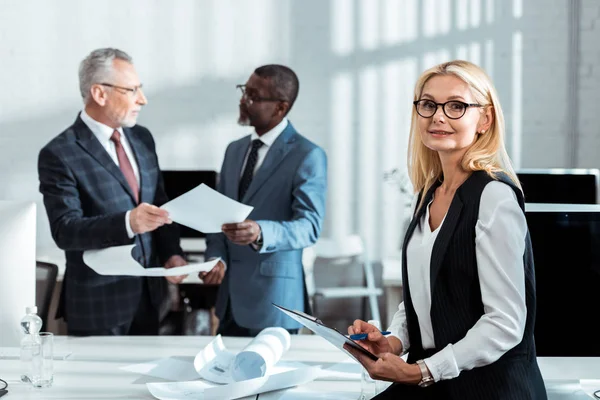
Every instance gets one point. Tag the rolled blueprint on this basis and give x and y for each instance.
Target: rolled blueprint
(261, 354)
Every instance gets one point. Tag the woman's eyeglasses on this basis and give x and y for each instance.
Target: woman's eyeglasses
(453, 109)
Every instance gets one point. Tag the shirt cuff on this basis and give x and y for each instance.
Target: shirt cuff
(130, 232)
(402, 336)
(442, 364)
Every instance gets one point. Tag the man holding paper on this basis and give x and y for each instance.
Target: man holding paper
(101, 185)
(284, 177)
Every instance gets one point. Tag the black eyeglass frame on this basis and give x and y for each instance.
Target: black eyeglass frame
(254, 99)
(2, 381)
(596, 394)
(443, 105)
(133, 91)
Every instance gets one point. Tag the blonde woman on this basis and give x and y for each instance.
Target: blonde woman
(467, 318)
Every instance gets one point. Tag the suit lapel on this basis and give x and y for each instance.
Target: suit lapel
(137, 148)
(89, 143)
(441, 242)
(239, 154)
(274, 157)
(446, 230)
(417, 218)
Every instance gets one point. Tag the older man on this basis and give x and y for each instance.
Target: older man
(102, 187)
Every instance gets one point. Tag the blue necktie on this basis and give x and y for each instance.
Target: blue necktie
(249, 170)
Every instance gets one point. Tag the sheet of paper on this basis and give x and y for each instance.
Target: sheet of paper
(214, 362)
(206, 210)
(172, 369)
(259, 358)
(589, 386)
(204, 391)
(118, 260)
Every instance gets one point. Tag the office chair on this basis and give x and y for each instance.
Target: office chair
(45, 281)
(351, 247)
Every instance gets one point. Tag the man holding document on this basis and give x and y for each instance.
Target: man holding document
(284, 177)
(101, 185)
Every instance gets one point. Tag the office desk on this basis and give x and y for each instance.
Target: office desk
(92, 371)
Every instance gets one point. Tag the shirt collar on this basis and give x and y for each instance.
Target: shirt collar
(101, 131)
(269, 138)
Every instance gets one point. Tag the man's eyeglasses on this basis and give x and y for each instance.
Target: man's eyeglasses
(453, 109)
(132, 91)
(250, 99)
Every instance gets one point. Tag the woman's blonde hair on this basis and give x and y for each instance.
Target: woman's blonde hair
(487, 153)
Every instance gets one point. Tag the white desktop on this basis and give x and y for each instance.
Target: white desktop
(17, 267)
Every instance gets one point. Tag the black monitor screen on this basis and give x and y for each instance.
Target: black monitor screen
(563, 188)
(180, 182)
(566, 251)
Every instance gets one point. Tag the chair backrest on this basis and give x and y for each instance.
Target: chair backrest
(45, 281)
(349, 246)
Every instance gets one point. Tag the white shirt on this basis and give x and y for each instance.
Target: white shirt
(268, 139)
(103, 134)
(499, 247)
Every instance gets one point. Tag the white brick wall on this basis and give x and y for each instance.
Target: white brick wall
(545, 86)
(357, 61)
(589, 86)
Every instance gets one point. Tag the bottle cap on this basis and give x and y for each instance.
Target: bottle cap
(31, 310)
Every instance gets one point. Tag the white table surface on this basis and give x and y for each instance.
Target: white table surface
(92, 371)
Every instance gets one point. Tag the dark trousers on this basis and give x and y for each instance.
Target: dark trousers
(228, 326)
(145, 322)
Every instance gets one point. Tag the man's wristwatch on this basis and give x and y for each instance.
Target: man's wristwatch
(259, 240)
(426, 378)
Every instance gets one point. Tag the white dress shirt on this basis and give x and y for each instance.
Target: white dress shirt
(499, 247)
(103, 134)
(267, 139)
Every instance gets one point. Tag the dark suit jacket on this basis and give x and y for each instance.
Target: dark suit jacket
(86, 197)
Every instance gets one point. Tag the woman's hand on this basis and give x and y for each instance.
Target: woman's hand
(376, 343)
(389, 367)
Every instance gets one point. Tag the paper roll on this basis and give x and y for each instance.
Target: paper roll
(261, 354)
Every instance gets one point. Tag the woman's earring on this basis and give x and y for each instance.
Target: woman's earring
(482, 131)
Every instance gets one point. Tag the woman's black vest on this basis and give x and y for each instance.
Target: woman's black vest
(456, 306)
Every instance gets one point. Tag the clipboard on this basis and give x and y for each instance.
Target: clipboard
(332, 335)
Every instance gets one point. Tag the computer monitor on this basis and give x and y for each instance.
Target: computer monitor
(17, 267)
(178, 182)
(564, 186)
(566, 251)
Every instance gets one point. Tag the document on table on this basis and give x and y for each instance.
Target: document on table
(171, 368)
(331, 335)
(206, 210)
(119, 261)
(206, 391)
(589, 386)
(259, 358)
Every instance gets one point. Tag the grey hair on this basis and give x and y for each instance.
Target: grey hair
(97, 68)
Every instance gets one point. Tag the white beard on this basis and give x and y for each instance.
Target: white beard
(244, 121)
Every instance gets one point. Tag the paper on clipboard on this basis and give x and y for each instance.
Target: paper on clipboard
(332, 335)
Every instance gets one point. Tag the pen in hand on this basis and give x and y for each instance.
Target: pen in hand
(363, 336)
